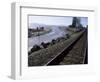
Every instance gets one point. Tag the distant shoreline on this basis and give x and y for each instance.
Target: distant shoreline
(39, 33)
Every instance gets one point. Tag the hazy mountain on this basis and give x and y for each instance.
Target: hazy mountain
(35, 25)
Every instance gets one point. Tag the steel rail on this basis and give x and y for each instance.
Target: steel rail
(58, 58)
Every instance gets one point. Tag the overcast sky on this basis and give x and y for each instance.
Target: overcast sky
(56, 20)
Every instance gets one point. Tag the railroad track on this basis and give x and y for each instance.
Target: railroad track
(74, 53)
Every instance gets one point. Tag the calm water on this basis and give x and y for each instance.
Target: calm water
(55, 33)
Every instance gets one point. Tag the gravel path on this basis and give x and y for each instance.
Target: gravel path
(76, 55)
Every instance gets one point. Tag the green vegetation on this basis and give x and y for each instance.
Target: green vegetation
(39, 55)
(45, 45)
(42, 56)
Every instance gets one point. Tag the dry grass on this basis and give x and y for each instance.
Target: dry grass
(42, 56)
